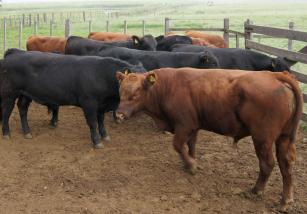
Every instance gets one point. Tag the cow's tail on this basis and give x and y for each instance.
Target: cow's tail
(286, 77)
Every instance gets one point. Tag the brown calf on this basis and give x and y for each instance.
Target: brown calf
(46, 44)
(266, 106)
(215, 40)
(109, 36)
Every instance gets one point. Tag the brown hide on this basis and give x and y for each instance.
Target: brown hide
(46, 44)
(109, 36)
(202, 42)
(262, 104)
(215, 40)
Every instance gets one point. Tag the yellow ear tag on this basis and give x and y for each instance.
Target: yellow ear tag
(126, 72)
(152, 79)
(273, 64)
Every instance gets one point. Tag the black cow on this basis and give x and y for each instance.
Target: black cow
(55, 80)
(150, 59)
(1, 80)
(166, 43)
(236, 58)
(146, 43)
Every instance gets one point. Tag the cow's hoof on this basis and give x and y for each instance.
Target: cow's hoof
(52, 125)
(106, 138)
(167, 133)
(286, 204)
(117, 121)
(28, 136)
(192, 169)
(6, 137)
(257, 192)
(98, 146)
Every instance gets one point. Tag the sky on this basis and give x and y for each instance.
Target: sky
(216, 1)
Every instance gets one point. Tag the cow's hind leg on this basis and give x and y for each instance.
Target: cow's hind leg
(23, 106)
(7, 107)
(266, 163)
(102, 131)
(191, 144)
(0, 109)
(55, 116)
(179, 142)
(90, 112)
(286, 154)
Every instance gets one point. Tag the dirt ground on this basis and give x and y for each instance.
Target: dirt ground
(137, 172)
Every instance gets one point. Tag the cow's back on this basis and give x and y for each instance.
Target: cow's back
(46, 44)
(108, 36)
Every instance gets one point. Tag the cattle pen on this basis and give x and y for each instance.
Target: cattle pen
(57, 169)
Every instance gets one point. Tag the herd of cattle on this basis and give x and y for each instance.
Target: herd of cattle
(184, 82)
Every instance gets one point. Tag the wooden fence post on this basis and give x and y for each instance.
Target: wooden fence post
(247, 31)
(38, 19)
(125, 27)
(166, 25)
(35, 27)
(143, 28)
(67, 28)
(226, 30)
(51, 28)
(20, 35)
(23, 19)
(237, 41)
(45, 17)
(107, 25)
(84, 16)
(89, 26)
(4, 35)
(290, 42)
(30, 19)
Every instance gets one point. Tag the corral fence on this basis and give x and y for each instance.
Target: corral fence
(251, 32)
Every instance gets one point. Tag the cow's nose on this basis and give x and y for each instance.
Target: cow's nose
(120, 116)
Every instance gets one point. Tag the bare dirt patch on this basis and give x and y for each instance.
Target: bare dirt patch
(137, 172)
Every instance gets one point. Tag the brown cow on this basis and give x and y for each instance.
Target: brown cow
(109, 36)
(46, 44)
(215, 40)
(202, 42)
(264, 105)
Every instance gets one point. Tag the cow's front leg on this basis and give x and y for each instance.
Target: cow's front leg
(55, 117)
(179, 142)
(102, 131)
(90, 112)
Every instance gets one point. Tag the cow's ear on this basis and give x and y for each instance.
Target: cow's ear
(136, 40)
(205, 57)
(159, 38)
(150, 79)
(120, 76)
